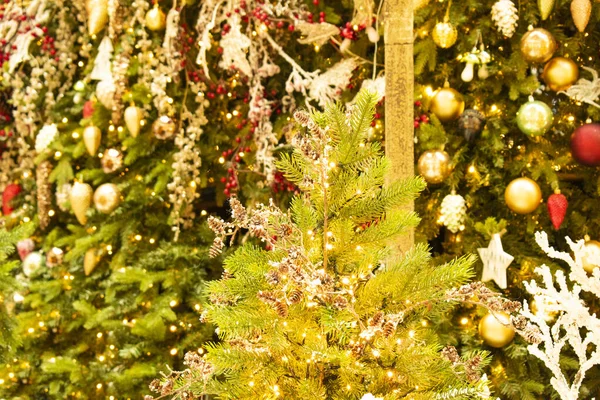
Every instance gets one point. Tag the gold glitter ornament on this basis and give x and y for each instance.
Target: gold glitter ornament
(97, 13)
(133, 118)
(444, 34)
(545, 7)
(90, 260)
(81, 199)
(581, 10)
(91, 138)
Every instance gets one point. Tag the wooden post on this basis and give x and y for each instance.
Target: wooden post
(399, 92)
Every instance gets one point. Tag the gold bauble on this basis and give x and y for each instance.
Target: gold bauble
(133, 117)
(523, 195)
(91, 138)
(107, 197)
(538, 45)
(156, 19)
(80, 198)
(581, 10)
(90, 260)
(97, 11)
(493, 330)
(164, 127)
(591, 247)
(434, 166)
(444, 34)
(560, 73)
(447, 104)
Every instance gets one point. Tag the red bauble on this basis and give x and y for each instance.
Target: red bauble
(88, 109)
(557, 208)
(10, 192)
(585, 145)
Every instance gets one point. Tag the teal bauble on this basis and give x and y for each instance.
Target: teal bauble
(534, 118)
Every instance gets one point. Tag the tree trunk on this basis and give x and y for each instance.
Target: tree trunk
(399, 91)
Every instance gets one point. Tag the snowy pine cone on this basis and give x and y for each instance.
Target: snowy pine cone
(505, 16)
(453, 212)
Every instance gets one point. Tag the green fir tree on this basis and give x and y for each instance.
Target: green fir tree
(325, 307)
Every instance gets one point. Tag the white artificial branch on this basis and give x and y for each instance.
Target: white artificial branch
(575, 325)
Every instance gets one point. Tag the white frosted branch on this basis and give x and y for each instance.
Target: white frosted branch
(574, 326)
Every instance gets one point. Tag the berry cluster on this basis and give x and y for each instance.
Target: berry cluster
(281, 184)
(422, 118)
(235, 156)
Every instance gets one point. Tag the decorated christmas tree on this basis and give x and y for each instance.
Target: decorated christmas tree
(508, 146)
(320, 304)
(8, 286)
(122, 125)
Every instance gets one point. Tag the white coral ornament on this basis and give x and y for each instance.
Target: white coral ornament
(328, 86)
(453, 212)
(234, 45)
(45, 137)
(576, 326)
(505, 16)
